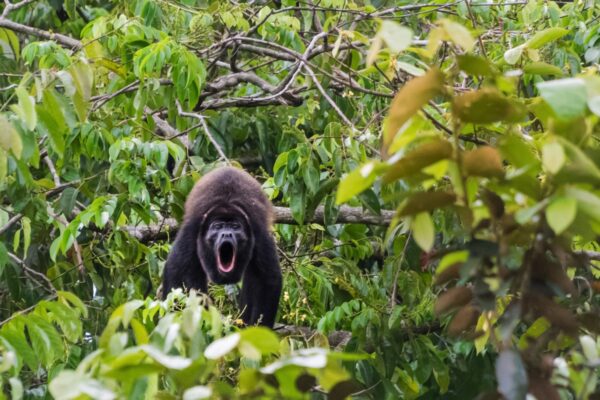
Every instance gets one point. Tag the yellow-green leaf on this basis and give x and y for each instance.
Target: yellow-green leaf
(458, 34)
(26, 108)
(560, 213)
(10, 140)
(546, 36)
(542, 68)
(512, 56)
(414, 95)
(423, 231)
(395, 36)
(553, 156)
(357, 181)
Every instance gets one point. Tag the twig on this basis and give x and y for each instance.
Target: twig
(397, 274)
(201, 118)
(63, 40)
(329, 99)
(16, 218)
(13, 6)
(31, 272)
(26, 310)
(61, 218)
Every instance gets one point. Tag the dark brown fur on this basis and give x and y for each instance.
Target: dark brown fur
(228, 192)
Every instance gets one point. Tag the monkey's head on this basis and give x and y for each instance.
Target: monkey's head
(225, 244)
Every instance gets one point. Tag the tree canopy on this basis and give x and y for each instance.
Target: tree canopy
(435, 172)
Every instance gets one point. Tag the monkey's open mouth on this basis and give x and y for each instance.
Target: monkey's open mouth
(226, 257)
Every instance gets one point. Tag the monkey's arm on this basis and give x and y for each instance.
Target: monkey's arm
(261, 287)
(183, 267)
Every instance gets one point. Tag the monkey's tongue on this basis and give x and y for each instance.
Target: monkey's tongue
(226, 257)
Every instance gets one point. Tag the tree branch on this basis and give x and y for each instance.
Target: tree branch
(282, 215)
(63, 40)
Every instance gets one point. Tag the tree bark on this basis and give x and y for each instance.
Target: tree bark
(282, 215)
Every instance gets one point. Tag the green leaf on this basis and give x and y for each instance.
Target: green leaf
(475, 65)
(45, 339)
(7, 36)
(26, 226)
(545, 36)
(396, 37)
(566, 97)
(542, 68)
(560, 213)
(423, 231)
(587, 202)
(263, 339)
(74, 301)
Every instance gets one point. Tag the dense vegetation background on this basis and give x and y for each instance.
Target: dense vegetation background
(435, 168)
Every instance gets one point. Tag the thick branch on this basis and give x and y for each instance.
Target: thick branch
(63, 40)
(283, 215)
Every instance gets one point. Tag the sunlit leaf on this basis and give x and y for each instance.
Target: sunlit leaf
(222, 347)
(396, 37)
(10, 140)
(423, 230)
(545, 36)
(512, 56)
(197, 392)
(560, 213)
(553, 156)
(357, 181)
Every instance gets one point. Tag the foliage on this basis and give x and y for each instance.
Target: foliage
(475, 122)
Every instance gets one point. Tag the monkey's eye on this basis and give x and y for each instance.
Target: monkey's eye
(217, 225)
(235, 225)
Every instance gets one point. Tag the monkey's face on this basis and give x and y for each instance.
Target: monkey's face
(225, 249)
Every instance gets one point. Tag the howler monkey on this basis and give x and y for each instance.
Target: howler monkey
(225, 236)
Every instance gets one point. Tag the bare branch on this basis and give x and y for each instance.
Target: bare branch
(63, 40)
(282, 215)
(201, 118)
(16, 218)
(33, 273)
